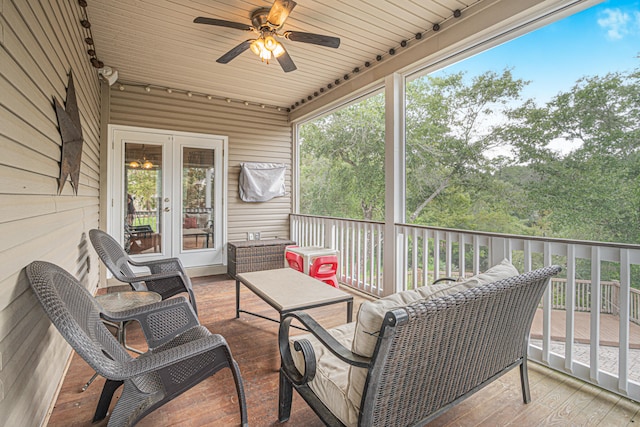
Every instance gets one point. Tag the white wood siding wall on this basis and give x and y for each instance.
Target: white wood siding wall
(255, 135)
(39, 42)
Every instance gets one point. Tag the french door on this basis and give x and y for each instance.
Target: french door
(167, 194)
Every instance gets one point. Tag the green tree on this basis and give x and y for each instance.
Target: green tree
(591, 191)
(449, 163)
(142, 184)
(342, 162)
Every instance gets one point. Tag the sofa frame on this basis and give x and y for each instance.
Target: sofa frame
(430, 355)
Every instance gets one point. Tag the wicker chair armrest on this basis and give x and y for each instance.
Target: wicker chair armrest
(151, 262)
(151, 362)
(160, 321)
(152, 277)
(159, 265)
(305, 346)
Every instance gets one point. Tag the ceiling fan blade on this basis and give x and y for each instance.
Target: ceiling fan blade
(319, 39)
(280, 12)
(286, 62)
(222, 23)
(224, 59)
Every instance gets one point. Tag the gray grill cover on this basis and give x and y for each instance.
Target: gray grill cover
(260, 182)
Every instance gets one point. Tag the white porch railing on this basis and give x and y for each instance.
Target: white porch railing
(610, 297)
(581, 286)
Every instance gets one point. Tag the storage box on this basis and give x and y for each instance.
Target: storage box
(256, 255)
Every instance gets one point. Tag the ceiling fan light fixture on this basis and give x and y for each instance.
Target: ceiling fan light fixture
(260, 48)
(265, 55)
(135, 164)
(278, 50)
(270, 43)
(255, 46)
(147, 164)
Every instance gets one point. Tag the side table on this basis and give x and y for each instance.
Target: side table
(120, 301)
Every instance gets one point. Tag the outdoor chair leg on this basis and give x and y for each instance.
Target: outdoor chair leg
(91, 380)
(110, 387)
(285, 395)
(524, 381)
(235, 369)
(192, 298)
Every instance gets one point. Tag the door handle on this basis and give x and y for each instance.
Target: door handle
(167, 209)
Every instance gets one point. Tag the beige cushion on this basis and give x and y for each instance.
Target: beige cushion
(371, 314)
(369, 318)
(332, 375)
(497, 272)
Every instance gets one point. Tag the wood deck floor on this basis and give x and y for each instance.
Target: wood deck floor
(556, 398)
(609, 328)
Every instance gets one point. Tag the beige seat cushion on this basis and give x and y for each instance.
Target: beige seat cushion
(332, 375)
(371, 314)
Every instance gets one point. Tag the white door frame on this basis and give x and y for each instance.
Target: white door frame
(174, 140)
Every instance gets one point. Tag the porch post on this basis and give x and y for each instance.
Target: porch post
(394, 180)
(105, 119)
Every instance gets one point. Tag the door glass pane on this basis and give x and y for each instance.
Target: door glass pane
(197, 198)
(143, 198)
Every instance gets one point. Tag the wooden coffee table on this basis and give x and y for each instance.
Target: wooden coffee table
(287, 290)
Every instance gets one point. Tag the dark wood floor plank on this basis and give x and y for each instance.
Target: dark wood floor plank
(253, 341)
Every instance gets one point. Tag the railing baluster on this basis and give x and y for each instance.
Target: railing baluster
(595, 314)
(546, 309)
(366, 274)
(381, 237)
(623, 357)
(570, 305)
(425, 256)
(476, 254)
(436, 255)
(359, 265)
(414, 258)
(355, 278)
(449, 249)
(461, 253)
(402, 267)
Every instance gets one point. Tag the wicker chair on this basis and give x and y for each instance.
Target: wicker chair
(167, 277)
(181, 353)
(428, 356)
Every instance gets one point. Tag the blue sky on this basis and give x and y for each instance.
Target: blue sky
(598, 40)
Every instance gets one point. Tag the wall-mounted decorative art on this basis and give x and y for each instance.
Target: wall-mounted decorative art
(71, 132)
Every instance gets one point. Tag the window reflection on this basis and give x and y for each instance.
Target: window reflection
(197, 198)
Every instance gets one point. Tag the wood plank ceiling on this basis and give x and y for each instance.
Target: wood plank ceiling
(156, 43)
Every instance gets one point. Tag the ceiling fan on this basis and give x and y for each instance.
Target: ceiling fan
(267, 23)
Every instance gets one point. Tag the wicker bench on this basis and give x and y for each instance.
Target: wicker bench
(432, 348)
